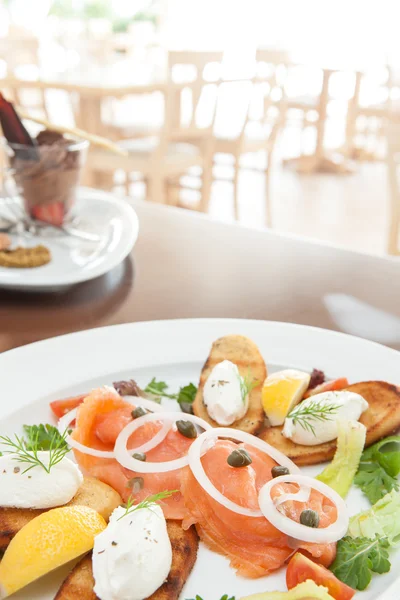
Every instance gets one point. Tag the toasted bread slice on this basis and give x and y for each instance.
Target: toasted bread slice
(79, 583)
(381, 419)
(92, 493)
(245, 354)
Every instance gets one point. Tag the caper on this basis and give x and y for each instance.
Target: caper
(137, 412)
(239, 458)
(187, 408)
(278, 471)
(309, 517)
(136, 484)
(186, 428)
(139, 456)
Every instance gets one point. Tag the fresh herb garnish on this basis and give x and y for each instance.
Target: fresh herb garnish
(247, 384)
(357, 558)
(157, 389)
(379, 465)
(42, 436)
(224, 597)
(315, 410)
(187, 393)
(374, 481)
(130, 507)
(27, 451)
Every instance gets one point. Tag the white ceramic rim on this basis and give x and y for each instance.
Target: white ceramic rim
(293, 345)
(78, 357)
(131, 225)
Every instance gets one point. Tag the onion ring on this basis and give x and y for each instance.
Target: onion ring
(195, 452)
(122, 454)
(62, 427)
(154, 441)
(324, 535)
(302, 495)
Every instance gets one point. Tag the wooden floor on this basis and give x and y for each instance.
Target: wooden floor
(345, 210)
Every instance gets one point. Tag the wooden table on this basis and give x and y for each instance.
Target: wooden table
(92, 86)
(185, 265)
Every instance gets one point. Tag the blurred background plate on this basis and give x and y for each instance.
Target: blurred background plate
(75, 260)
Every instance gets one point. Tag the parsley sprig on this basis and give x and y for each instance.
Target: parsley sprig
(379, 466)
(306, 412)
(224, 597)
(158, 389)
(131, 507)
(27, 451)
(357, 558)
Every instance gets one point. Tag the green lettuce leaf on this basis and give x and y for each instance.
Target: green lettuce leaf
(382, 520)
(357, 558)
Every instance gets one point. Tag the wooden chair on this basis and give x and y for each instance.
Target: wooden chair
(249, 115)
(393, 170)
(134, 117)
(375, 101)
(23, 52)
(160, 159)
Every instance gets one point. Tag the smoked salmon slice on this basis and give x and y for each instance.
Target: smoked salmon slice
(100, 418)
(253, 545)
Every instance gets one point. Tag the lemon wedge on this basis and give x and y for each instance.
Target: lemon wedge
(281, 392)
(47, 542)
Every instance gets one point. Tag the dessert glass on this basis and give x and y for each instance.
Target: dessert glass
(45, 178)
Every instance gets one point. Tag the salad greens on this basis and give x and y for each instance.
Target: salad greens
(158, 389)
(225, 597)
(379, 465)
(42, 437)
(357, 558)
(386, 453)
(382, 520)
(339, 474)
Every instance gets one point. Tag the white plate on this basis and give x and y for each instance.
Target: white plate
(74, 260)
(175, 352)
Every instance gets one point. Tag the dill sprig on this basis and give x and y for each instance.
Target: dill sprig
(304, 414)
(58, 448)
(131, 507)
(247, 384)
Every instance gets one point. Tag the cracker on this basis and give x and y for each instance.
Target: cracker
(25, 258)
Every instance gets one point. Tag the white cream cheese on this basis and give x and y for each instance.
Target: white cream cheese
(37, 488)
(224, 394)
(346, 406)
(132, 557)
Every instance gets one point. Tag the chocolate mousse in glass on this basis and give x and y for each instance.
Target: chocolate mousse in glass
(47, 175)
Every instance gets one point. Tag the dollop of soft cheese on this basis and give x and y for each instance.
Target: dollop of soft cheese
(350, 407)
(132, 557)
(223, 394)
(37, 488)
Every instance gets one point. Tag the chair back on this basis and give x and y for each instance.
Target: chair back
(19, 51)
(244, 105)
(393, 170)
(269, 81)
(193, 78)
